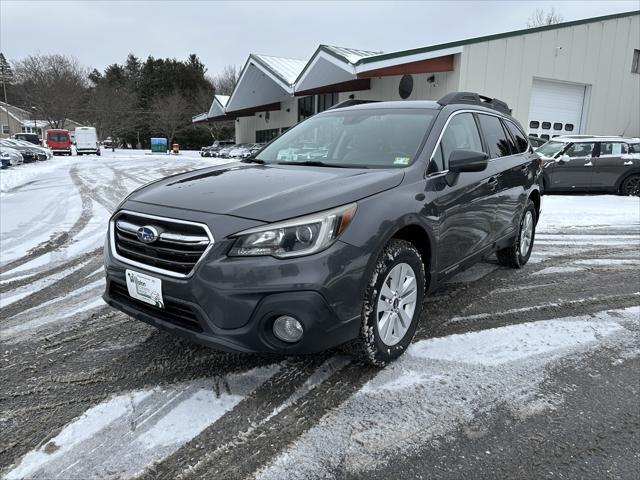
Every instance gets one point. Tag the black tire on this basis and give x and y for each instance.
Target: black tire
(513, 256)
(631, 186)
(369, 346)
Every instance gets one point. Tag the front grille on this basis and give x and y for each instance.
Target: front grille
(177, 249)
(177, 313)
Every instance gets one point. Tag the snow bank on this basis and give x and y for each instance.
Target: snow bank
(570, 212)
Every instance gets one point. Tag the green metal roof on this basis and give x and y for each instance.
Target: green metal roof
(497, 36)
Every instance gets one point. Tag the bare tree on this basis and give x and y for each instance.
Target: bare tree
(169, 114)
(53, 84)
(225, 81)
(112, 111)
(540, 18)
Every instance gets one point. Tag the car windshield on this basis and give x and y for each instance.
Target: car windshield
(368, 138)
(551, 148)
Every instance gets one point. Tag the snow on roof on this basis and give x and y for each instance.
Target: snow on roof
(286, 69)
(351, 55)
(223, 99)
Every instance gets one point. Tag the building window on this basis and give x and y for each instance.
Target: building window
(327, 100)
(5, 129)
(635, 64)
(305, 107)
(264, 136)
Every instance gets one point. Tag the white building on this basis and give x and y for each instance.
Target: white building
(574, 77)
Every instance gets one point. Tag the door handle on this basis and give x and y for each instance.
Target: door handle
(492, 181)
(589, 164)
(628, 164)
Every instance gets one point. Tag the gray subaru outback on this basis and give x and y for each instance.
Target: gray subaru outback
(333, 233)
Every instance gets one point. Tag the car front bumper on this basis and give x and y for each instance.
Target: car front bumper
(230, 303)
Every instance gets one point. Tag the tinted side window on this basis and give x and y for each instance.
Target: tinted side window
(580, 150)
(613, 148)
(521, 141)
(634, 148)
(461, 133)
(495, 136)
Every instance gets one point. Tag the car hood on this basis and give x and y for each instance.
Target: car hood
(266, 193)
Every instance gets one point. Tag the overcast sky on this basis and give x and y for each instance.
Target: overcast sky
(220, 33)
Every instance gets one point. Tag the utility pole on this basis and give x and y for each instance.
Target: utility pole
(6, 105)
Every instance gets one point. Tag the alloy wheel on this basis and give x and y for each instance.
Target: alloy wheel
(397, 302)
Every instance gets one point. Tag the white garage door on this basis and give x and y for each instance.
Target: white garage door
(556, 108)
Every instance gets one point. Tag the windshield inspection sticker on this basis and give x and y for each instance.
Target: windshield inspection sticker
(401, 161)
(145, 288)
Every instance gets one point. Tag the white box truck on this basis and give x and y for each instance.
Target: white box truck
(87, 141)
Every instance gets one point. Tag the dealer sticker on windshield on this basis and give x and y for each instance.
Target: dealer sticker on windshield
(145, 288)
(401, 161)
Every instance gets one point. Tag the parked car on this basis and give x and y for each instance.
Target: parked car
(241, 151)
(11, 155)
(592, 164)
(28, 137)
(536, 141)
(87, 141)
(224, 151)
(29, 153)
(43, 152)
(211, 151)
(58, 140)
(313, 254)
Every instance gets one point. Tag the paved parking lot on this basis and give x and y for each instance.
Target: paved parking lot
(531, 373)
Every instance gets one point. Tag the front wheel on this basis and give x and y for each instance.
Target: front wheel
(392, 304)
(517, 254)
(631, 186)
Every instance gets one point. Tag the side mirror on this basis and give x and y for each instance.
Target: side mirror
(467, 161)
(562, 159)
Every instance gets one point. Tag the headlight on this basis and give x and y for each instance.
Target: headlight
(294, 238)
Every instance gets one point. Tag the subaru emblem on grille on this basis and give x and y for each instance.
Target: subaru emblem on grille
(147, 234)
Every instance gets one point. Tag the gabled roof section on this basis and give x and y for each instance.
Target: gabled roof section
(16, 113)
(330, 65)
(218, 105)
(264, 80)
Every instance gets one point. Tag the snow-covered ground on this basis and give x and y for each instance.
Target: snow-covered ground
(53, 218)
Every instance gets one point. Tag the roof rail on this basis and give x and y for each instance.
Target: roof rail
(471, 98)
(351, 103)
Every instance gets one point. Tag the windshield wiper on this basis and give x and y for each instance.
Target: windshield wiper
(317, 163)
(252, 160)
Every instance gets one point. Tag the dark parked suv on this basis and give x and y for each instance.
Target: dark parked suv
(299, 255)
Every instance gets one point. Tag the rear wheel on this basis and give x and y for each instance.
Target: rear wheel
(631, 186)
(392, 304)
(517, 254)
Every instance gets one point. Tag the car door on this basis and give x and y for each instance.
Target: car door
(575, 173)
(509, 153)
(611, 164)
(463, 204)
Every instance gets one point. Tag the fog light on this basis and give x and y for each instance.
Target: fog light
(287, 329)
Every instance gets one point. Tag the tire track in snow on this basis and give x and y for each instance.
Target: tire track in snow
(60, 239)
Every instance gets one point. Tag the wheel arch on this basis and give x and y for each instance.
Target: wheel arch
(623, 178)
(534, 196)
